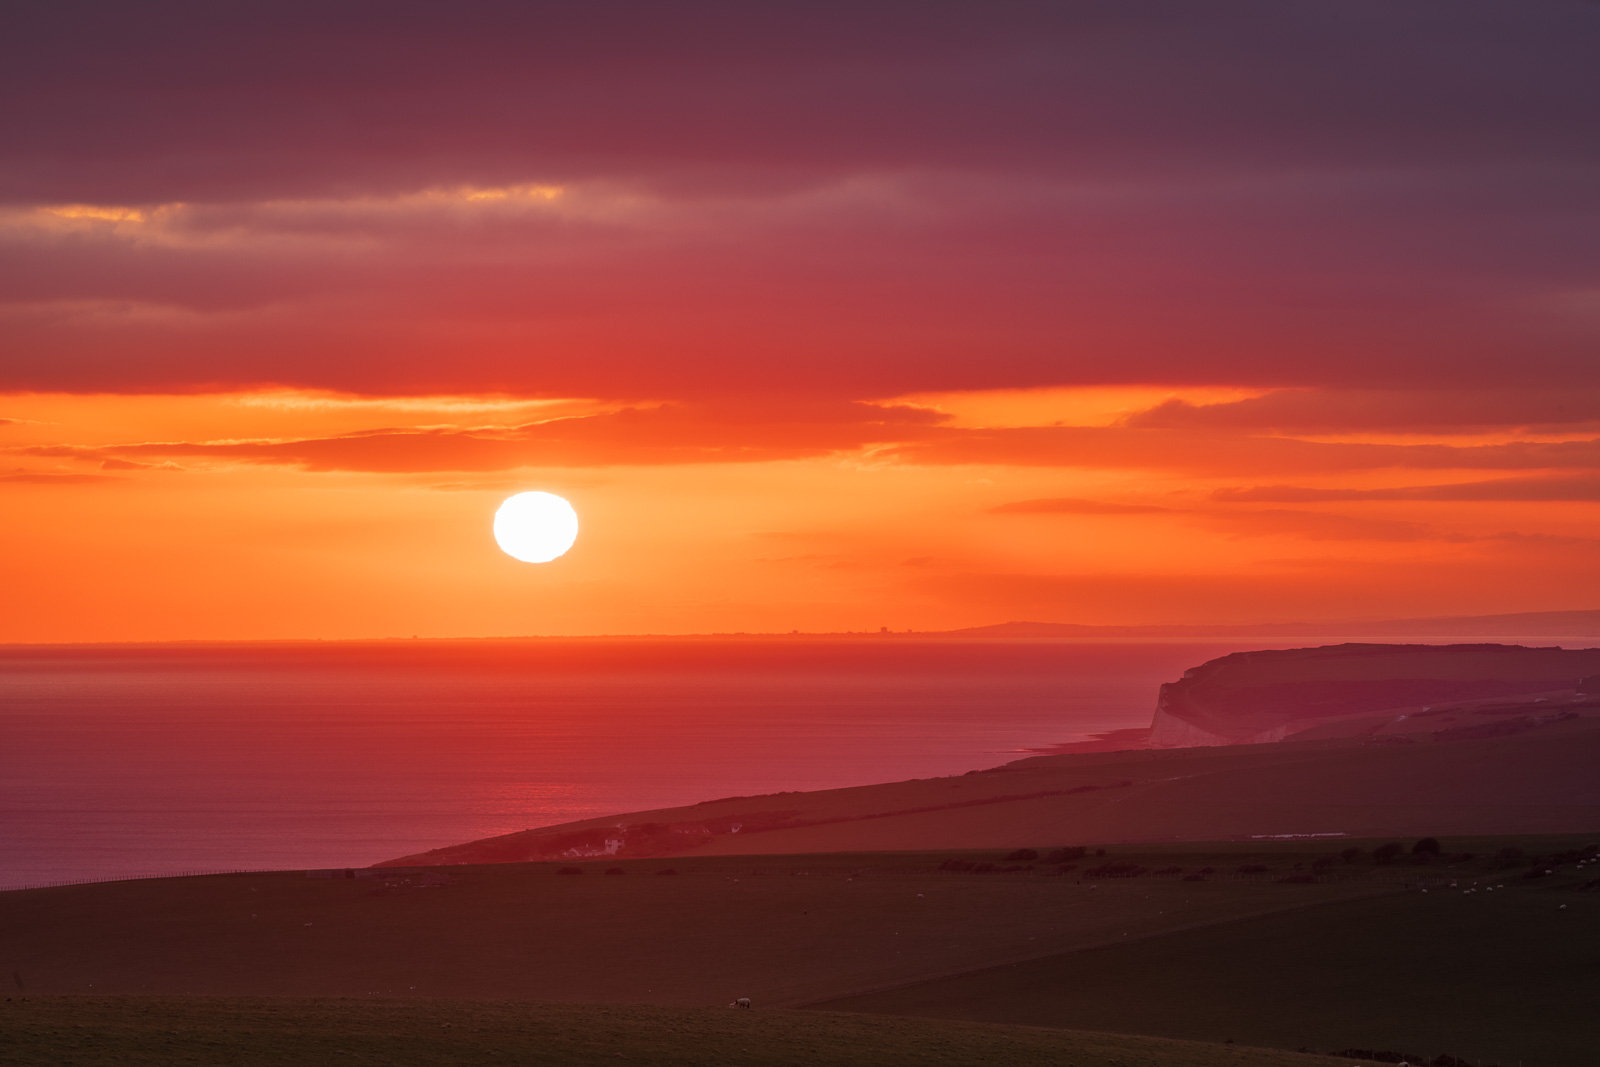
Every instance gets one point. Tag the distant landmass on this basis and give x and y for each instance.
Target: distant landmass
(1358, 740)
(1519, 625)
(1384, 693)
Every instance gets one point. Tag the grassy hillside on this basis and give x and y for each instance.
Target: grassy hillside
(1279, 944)
(96, 1031)
(783, 929)
(1538, 781)
(1507, 977)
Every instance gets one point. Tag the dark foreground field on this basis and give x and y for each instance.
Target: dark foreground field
(1284, 945)
(784, 930)
(96, 1031)
(1510, 977)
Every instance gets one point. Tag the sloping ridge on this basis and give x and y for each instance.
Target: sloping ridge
(1537, 779)
(1521, 765)
(1256, 697)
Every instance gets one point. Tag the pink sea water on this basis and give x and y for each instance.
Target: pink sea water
(119, 761)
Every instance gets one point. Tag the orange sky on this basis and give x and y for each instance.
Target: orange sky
(823, 316)
(234, 515)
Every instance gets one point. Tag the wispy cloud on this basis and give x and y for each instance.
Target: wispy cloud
(964, 196)
(1074, 506)
(54, 477)
(1580, 488)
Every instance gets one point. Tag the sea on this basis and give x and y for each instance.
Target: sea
(127, 760)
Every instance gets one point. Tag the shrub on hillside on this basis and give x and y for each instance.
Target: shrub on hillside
(1386, 853)
(1322, 863)
(1252, 868)
(1067, 855)
(1427, 846)
(1021, 854)
(615, 870)
(1170, 870)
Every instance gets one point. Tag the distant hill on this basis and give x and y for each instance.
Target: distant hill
(1378, 691)
(1357, 739)
(1528, 624)
(1524, 769)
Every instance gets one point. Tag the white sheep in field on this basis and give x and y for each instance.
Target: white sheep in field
(742, 1002)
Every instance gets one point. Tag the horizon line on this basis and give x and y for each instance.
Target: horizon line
(990, 631)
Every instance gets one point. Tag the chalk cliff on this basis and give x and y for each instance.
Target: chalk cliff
(1258, 697)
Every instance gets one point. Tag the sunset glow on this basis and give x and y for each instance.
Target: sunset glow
(995, 340)
(357, 515)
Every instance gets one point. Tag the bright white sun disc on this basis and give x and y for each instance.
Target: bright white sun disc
(535, 527)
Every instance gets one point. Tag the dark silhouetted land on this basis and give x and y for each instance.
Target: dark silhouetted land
(95, 1031)
(1282, 944)
(1521, 769)
(1504, 976)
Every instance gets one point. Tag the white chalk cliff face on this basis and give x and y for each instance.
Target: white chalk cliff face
(1344, 690)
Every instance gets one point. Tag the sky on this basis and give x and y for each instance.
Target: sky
(824, 316)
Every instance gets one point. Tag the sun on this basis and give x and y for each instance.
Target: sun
(535, 527)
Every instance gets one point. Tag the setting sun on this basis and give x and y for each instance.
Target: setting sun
(535, 527)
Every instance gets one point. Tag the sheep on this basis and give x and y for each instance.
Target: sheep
(742, 1002)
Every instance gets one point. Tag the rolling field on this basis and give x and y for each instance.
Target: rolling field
(1271, 949)
(201, 1032)
(1506, 977)
(784, 930)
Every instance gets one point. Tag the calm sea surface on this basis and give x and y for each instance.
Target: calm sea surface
(162, 759)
